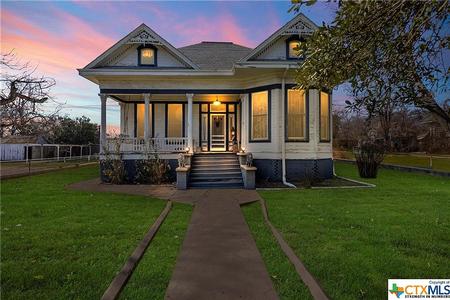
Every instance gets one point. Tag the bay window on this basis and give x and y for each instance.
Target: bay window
(325, 110)
(259, 116)
(296, 121)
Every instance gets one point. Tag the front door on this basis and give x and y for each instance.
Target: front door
(217, 132)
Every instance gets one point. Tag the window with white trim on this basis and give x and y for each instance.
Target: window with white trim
(147, 56)
(296, 115)
(174, 120)
(325, 117)
(259, 114)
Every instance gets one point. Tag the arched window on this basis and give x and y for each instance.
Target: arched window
(147, 56)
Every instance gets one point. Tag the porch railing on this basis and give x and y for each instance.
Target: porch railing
(141, 145)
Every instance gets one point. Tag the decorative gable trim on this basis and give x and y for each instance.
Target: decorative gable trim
(299, 28)
(142, 35)
(300, 25)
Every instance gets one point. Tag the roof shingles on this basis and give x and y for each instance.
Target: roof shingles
(215, 55)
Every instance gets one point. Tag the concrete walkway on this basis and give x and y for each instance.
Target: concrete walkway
(219, 258)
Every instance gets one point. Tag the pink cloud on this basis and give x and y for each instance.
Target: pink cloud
(54, 52)
(231, 31)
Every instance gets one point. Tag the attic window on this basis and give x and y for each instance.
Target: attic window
(147, 56)
(292, 48)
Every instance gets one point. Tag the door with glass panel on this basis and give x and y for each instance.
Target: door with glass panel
(217, 132)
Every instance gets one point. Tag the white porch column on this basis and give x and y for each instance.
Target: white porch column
(146, 121)
(121, 113)
(244, 121)
(103, 98)
(189, 123)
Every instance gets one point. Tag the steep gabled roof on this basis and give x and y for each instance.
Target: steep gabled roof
(299, 25)
(215, 55)
(143, 35)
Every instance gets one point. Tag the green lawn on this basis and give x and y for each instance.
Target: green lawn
(284, 277)
(440, 162)
(152, 275)
(354, 240)
(63, 244)
(44, 164)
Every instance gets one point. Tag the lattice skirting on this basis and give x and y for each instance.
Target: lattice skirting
(296, 169)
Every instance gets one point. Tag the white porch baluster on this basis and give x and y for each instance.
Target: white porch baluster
(103, 98)
(189, 123)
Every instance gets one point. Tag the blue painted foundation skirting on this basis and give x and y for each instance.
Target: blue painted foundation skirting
(267, 169)
(296, 169)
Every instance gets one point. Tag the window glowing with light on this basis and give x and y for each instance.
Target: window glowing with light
(293, 50)
(147, 56)
(325, 117)
(175, 120)
(296, 115)
(260, 116)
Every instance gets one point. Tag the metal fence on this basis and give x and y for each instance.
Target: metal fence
(46, 152)
(420, 160)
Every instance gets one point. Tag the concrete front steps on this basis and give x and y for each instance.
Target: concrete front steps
(215, 170)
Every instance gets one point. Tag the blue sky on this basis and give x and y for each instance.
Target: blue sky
(59, 37)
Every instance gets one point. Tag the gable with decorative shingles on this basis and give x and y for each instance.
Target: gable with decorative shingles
(274, 47)
(125, 52)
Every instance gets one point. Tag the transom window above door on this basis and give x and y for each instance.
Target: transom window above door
(218, 107)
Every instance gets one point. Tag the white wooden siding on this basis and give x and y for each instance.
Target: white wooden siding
(129, 58)
(160, 119)
(12, 151)
(276, 51)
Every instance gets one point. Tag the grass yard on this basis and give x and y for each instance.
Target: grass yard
(440, 162)
(152, 275)
(354, 240)
(63, 244)
(284, 277)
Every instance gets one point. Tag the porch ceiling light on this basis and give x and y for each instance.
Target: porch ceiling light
(217, 102)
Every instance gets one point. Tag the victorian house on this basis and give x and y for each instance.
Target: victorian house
(213, 99)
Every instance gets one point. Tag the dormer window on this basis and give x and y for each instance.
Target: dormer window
(147, 56)
(292, 47)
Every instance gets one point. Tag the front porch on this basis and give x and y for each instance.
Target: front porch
(165, 123)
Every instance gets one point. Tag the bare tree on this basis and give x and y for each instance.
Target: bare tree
(22, 97)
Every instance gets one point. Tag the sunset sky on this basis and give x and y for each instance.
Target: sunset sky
(59, 37)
